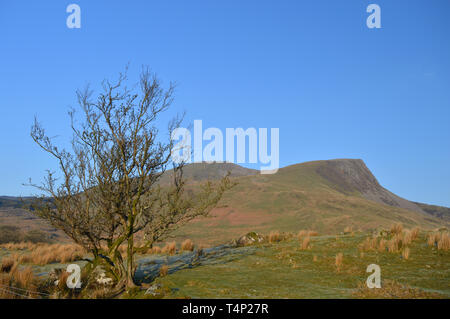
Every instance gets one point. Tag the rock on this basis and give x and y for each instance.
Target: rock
(153, 290)
(248, 239)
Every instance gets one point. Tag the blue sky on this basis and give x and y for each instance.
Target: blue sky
(335, 88)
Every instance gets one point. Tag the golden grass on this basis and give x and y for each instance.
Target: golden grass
(43, 254)
(315, 259)
(187, 245)
(405, 253)
(395, 244)
(169, 248)
(274, 237)
(415, 233)
(302, 234)
(306, 233)
(156, 250)
(163, 271)
(339, 261)
(369, 244)
(382, 245)
(396, 229)
(20, 246)
(47, 254)
(306, 243)
(407, 238)
(444, 242)
(348, 229)
(22, 279)
(439, 240)
(8, 263)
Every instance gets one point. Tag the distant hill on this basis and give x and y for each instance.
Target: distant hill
(326, 196)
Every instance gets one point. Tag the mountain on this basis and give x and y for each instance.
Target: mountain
(326, 196)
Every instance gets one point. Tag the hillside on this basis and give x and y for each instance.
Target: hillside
(326, 196)
(323, 195)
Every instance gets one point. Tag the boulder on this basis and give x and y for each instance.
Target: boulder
(248, 239)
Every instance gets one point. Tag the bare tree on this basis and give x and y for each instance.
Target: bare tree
(109, 186)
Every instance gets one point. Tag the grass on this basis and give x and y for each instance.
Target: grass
(325, 267)
(282, 270)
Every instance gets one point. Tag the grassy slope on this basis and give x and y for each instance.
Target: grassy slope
(282, 270)
(295, 198)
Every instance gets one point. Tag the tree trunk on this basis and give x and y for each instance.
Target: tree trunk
(130, 263)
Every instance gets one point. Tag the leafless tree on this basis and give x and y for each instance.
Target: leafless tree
(108, 188)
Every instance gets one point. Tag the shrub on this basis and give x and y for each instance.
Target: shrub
(10, 234)
(36, 236)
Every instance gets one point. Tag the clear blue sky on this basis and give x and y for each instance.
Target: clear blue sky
(335, 88)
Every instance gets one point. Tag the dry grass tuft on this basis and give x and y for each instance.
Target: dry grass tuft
(306, 233)
(170, 248)
(18, 279)
(315, 259)
(369, 244)
(407, 238)
(444, 242)
(8, 263)
(339, 261)
(155, 250)
(24, 278)
(395, 244)
(396, 229)
(302, 234)
(405, 253)
(306, 243)
(20, 246)
(163, 271)
(312, 233)
(47, 254)
(382, 245)
(415, 233)
(274, 237)
(187, 245)
(348, 230)
(433, 239)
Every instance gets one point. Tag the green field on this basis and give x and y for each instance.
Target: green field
(282, 270)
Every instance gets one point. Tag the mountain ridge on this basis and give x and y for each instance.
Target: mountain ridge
(325, 195)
